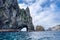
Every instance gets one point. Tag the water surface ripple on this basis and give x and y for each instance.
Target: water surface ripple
(44, 35)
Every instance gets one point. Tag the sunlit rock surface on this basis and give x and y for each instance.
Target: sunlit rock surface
(55, 28)
(11, 17)
(39, 28)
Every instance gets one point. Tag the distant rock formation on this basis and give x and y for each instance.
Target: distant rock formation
(55, 28)
(11, 17)
(39, 28)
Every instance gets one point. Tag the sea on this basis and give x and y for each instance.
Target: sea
(42, 35)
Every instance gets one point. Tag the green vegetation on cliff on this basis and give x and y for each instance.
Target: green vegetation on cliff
(39, 28)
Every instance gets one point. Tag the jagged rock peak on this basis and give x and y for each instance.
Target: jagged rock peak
(27, 9)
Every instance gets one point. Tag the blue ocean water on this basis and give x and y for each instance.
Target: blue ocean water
(44, 35)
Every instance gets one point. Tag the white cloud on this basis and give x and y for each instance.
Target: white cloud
(42, 16)
(22, 6)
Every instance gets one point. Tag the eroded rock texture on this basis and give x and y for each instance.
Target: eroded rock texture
(39, 28)
(11, 17)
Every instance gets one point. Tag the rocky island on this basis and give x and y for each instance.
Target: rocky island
(12, 18)
(39, 28)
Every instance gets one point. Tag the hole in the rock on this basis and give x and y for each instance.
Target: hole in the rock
(24, 29)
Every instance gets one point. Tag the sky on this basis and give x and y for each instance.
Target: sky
(43, 12)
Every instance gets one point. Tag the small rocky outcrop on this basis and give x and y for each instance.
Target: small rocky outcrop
(55, 28)
(12, 17)
(39, 28)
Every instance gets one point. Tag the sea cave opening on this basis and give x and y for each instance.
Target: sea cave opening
(24, 29)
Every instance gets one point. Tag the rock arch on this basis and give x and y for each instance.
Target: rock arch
(13, 17)
(23, 26)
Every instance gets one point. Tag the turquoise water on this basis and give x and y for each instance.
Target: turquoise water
(46, 35)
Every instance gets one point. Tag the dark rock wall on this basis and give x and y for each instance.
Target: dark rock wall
(11, 17)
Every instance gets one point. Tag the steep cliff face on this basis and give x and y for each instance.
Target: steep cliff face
(11, 17)
(24, 19)
(8, 11)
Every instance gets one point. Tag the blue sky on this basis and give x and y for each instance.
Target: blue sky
(43, 12)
